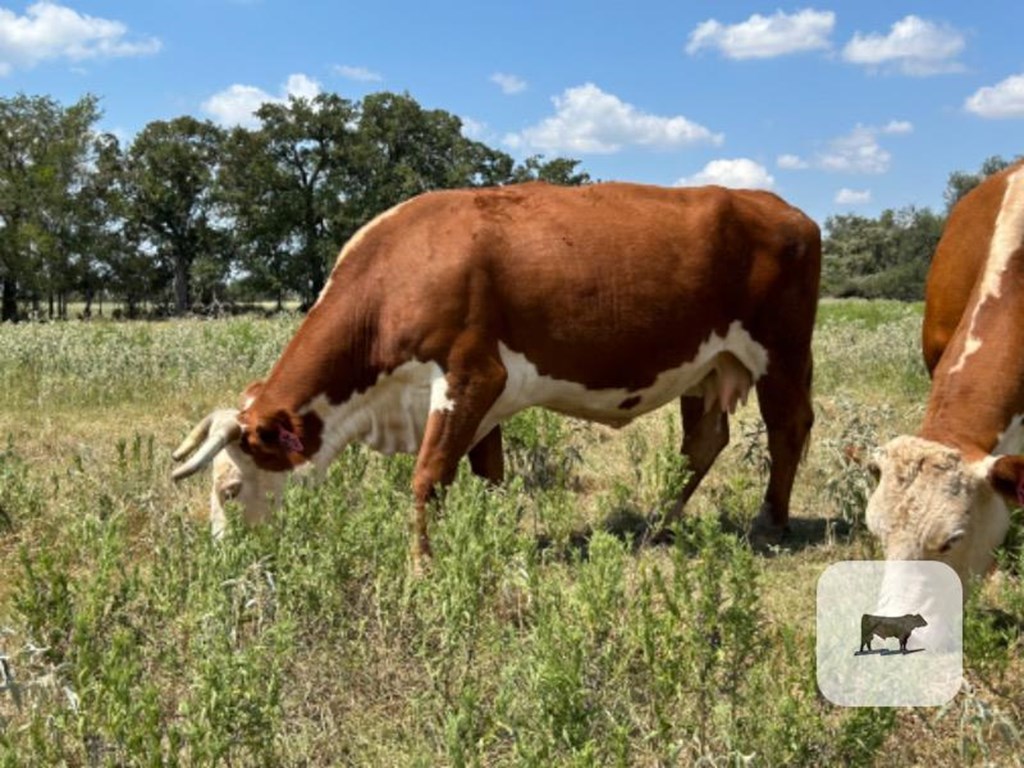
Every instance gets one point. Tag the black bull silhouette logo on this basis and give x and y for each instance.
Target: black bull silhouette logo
(889, 626)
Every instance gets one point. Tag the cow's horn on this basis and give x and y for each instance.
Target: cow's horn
(216, 430)
(195, 437)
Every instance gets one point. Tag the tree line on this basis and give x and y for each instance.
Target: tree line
(189, 213)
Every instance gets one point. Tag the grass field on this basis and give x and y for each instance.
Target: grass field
(127, 637)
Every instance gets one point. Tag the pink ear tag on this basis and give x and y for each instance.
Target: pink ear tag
(1020, 491)
(289, 440)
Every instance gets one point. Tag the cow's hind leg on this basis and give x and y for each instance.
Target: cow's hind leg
(486, 458)
(784, 397)
(465, 394)
(705, 434)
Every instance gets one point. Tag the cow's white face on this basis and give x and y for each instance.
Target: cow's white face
(931, 504)
(237, 479)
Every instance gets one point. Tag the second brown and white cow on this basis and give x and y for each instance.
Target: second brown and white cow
(453, 311)
(942, 493)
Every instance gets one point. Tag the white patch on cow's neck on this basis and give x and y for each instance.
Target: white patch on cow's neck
(390, 416)
(1006, 239)
(353, 242)
(527, 387)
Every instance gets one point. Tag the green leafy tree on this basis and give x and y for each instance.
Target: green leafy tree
(74, 218)
(25, 125)
(260, 225)
(45, 152)
(95, 222)
(169, 176)
(887, 257)
(288, 193)
(403, 150)
(126, 264)
(560, 170)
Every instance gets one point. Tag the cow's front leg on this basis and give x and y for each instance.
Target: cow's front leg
(459, 401)
(705, 434)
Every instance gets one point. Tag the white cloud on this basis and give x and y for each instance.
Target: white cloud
(51, 31)
(859, 150)
(847, 196)
(237, 104)
(740, 173)
(762, 37)
(473, 129)
(359, 74)
(509, 84)
(791, 162)
(914, 46)
(300, 86)
(588, 120)
(1004, 99)
(898, 127)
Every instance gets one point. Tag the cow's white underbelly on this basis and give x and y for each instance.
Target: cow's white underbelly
(391, 415)
(527, 387)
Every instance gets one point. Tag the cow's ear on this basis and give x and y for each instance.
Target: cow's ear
(280, 434)
(266, 431)
(1007, 477)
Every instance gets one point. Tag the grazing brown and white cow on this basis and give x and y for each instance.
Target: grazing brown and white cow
(453, 311)
(942, 493)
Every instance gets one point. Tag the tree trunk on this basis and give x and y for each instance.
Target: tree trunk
(181, 275)
(317, 275)
(9, 301)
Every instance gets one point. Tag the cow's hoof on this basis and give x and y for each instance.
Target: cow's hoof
(765, 531)
(419, 564)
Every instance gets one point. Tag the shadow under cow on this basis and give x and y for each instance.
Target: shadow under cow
(647, 532)
(888, 652)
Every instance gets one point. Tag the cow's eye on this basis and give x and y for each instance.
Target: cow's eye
(230, 491)
(951, 542)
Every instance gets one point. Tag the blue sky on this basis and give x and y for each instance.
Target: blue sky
(839, 107)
